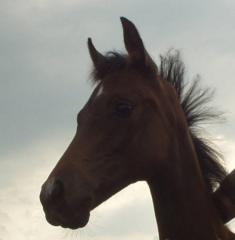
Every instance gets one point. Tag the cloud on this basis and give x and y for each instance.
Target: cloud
(21, 214)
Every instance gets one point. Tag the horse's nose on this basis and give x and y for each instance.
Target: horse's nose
(52, 191)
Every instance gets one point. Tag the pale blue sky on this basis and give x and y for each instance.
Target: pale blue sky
(44, 72)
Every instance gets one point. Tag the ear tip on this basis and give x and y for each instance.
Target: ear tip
(89, 41)
(124, 20)
(127, 24)
(90, 44)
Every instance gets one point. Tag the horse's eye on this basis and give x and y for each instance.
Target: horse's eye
(123, 110)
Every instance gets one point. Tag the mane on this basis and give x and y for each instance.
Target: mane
(195, 104)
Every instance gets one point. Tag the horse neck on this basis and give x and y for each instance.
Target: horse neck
(182, 204)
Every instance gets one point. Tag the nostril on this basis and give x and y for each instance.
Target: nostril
(52, 190)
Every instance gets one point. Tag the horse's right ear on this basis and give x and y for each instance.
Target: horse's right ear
(97, 57)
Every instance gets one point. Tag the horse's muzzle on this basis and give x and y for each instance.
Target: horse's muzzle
(59, 211)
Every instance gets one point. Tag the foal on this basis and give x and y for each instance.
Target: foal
(138, 125)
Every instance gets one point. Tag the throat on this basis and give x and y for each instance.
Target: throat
(183, 207)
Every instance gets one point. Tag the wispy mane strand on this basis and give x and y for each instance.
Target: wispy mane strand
(194, 101)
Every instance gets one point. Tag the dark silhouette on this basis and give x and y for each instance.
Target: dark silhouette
(141, 123)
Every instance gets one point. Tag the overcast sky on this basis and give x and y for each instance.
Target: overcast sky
(44, 72)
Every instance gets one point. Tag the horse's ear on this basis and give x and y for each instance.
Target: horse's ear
(97, 58)
(135, 46)
(133, 42)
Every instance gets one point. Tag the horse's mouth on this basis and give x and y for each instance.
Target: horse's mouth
(76, 223)
(68, 220)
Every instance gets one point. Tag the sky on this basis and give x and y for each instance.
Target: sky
(44, 73)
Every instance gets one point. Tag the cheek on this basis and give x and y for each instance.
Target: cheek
(151, 147)
(110, 168)
(111, 176)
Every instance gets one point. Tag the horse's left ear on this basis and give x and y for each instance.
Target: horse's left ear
(135, 46)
